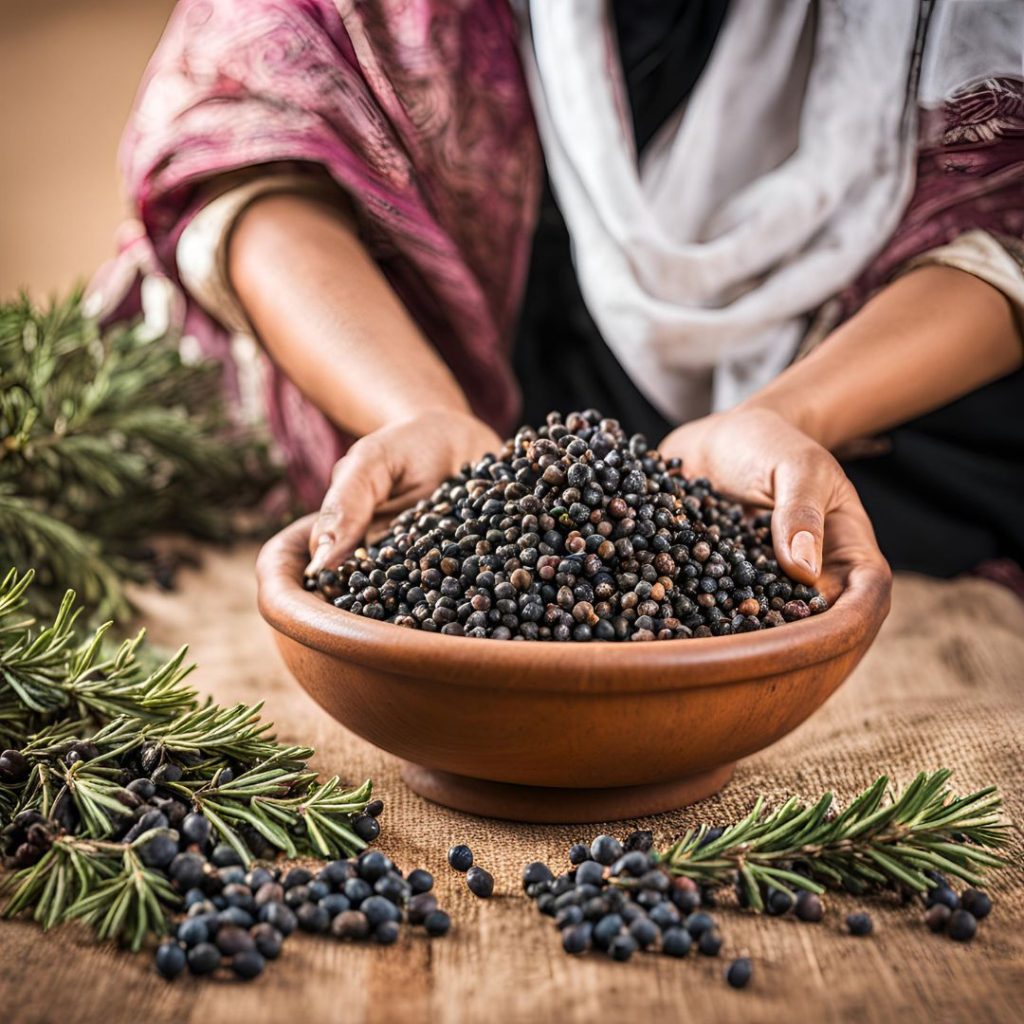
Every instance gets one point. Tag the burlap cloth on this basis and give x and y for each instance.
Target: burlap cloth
(943, 685)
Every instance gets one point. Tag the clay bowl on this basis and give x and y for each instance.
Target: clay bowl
(565, 732)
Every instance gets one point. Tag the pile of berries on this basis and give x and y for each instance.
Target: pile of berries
(618, 900)
(239, 920)
(575, 531)
(955, 915)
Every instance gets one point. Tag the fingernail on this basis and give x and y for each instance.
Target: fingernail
(805, 551)
(319, 559)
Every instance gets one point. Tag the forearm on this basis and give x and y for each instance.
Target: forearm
(329, 318)
(930, 337)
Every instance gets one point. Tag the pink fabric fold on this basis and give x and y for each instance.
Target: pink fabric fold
(417, 108)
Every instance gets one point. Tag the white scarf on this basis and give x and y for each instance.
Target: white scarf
(785, 173)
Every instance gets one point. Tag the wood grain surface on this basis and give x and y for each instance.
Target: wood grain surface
(943, 685)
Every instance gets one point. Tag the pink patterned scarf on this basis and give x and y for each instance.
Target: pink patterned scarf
(416, 108)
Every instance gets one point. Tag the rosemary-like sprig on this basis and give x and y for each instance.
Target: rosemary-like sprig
(882, 839)
(61, 692)
(108, 437)
(102, 883)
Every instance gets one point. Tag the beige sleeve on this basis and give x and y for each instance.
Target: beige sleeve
(997, 261)
(202, 250)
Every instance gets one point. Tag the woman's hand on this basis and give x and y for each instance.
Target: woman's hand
(756, 457)
(389, 470)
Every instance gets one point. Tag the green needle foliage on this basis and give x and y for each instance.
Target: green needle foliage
(63, 691)
(881, 840)
(108, 437)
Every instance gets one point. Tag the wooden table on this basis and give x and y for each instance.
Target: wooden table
(944, 685)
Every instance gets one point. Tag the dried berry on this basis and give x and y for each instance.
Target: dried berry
(937, 917)
(859, 924)
(351, 924)
(14, 766)
(676, 942)
(313, 918)
(420, 881)
(203, 959)
(808, 906)
(437, 923)
(386, 933)
(778, 902)
(420, 906)
(480, 882)
(268, 941)
(170, 959)
(460, 857)
(943, 894)
(606, 850)
(622, 947)
(962, 926)
(366, 827)
(978, 904)
(279, 916)
(535, 873)
(248, 964)
(739, 972)
(577, 938)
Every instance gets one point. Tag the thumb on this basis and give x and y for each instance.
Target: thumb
(803, 492)
(361, 481)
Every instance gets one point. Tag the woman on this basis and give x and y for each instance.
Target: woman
(772, 229)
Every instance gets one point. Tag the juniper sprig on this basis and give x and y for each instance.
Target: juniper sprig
(107, 437)
(883, 839)
(80, 721)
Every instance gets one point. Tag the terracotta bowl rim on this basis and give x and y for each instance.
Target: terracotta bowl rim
(307, 619)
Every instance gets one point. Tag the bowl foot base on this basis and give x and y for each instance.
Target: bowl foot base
(551, 805)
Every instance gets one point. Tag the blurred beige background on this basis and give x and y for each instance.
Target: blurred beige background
(68, 74)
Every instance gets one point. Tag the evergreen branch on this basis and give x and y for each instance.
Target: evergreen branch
(83, 719)
(107, 436)
(881, 839)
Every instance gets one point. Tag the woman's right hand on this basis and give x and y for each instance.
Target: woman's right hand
(388, 471)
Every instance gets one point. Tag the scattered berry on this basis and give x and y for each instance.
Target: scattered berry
(437, 923)
(248, 964)
(809, 907)
(577, 938)
(170, 959)
(622, 947)
(480, 882)
(351, 924)
(676, 942)
(420, 881)
(976, 903)
(606, 850)
(859, 924)
(962, 926)
(739, 972)
(942, 894)
(460, 857)
(386, 933)
(203, 959)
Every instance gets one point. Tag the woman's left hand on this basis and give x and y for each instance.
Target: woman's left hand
(756, 457)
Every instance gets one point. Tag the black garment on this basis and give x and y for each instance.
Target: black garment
(949, 495)
(560, 359)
